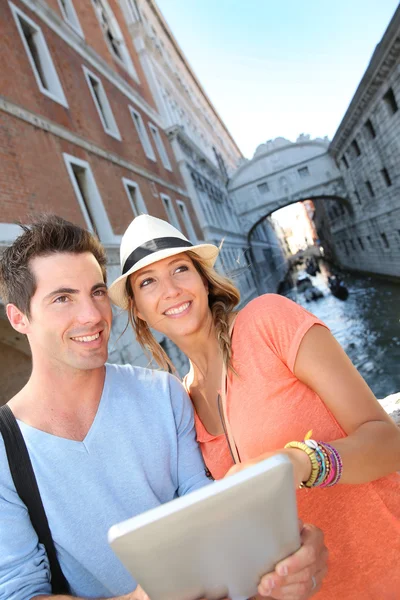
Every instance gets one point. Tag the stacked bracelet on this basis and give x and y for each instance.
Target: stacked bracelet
(326, 463)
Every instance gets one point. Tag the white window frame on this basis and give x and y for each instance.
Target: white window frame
(142, 133)
(103, 106)
(170, 210)
(187, 221)
(160, 146)
(70, 16)
(125, 60)
(102, 223)
(55, 91)
(140, 207)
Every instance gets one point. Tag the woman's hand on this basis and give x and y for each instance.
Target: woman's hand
(299, 459)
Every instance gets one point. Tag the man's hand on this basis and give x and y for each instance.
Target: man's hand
(137, 594)
(299, 576)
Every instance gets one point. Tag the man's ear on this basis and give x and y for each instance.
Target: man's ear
(18, 320)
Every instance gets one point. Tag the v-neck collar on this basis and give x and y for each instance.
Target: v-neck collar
(34, 434)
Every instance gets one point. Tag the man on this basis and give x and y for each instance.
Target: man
(106, 442)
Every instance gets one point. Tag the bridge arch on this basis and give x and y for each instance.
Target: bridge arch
(344, 201)
(282, 173)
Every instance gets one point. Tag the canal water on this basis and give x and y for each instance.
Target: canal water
(367, 325)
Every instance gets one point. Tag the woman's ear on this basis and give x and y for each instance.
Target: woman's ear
(136, 313)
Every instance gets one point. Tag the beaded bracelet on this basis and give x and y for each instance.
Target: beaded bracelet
(334, 454)
(315, 467)
(326, 463)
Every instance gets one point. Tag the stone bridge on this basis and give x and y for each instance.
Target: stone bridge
(283, 173)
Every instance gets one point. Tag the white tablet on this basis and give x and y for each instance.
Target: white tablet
(216, 541)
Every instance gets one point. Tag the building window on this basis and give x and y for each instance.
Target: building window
(187, 220)
(113, 35)
(357, 195)
(390, 101)
(102, 104)
(386, 177)
(345, 247)
(69, 13)
(89, 198)
(169, 209)
(356, 147)
(385, 240)
(370, 188)
(135, 197)
(353, 244)
(142, 133)
(303, 172)
(345, 161)
(360, 243)
(370, 129)
(39, 57)
(263, 188)
(371, 243)
(160, 146)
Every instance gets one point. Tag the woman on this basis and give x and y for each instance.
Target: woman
(286, 375)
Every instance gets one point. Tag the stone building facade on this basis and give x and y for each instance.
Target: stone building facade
(366, 148)
(204, 149)
(282, 173)
(81, 136)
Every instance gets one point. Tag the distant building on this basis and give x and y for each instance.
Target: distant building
(80, 136)
(366, 148)
(204, 149)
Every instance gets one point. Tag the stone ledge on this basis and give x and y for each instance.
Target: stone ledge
(392, 406)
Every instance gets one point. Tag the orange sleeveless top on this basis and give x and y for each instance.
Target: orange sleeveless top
(267, 406)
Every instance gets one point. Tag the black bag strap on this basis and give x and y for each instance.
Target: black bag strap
(26, 485)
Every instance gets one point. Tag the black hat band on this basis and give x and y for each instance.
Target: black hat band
(153, 246)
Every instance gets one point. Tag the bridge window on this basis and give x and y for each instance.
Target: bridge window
(390, 101)
(353, 244)
(371, 243)
(356, 147)
(345, 161)
(370, 129)
(386, 177)
(361, 243)
(263, 188)
(303, 172)
(370, 188)
(357, 195)
(345, 247)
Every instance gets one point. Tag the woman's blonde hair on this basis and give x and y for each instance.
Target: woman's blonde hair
(223, 297)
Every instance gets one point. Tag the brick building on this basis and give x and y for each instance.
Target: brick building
(80, 135)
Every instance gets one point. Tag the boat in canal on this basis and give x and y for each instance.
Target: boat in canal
(313, 293)
(337, 287)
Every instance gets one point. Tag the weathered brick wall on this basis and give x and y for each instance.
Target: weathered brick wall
(15, 368)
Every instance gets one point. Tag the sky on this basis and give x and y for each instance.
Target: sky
(278, 67)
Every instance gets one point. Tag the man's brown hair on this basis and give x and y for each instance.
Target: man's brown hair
(47, 235)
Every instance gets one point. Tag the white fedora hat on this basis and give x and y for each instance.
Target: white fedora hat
(146, 241)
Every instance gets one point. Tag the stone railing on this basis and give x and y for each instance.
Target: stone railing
(392, 406)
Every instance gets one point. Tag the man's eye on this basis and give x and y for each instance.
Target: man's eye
(101, 292)
(61, 299)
